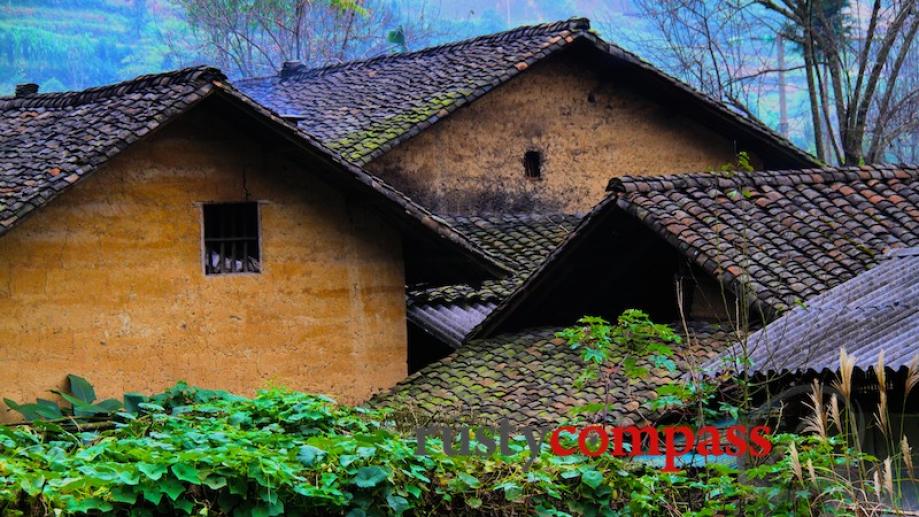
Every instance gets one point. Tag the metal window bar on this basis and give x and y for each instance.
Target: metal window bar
(231, 240)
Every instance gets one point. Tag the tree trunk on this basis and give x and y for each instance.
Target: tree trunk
(812, 91)
(783, 98)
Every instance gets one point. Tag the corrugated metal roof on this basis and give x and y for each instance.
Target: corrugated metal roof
(449, 322)
(874, 311)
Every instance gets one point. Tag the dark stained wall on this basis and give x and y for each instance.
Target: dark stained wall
(586, 127)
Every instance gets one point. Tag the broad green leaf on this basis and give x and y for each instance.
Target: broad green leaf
(80, 408)
(397, 503)
(172, 487)
(367, 477)
(468, 480)
(474, 502)
(310, 455)
(592, 355)
(127, 475)
(366, 452)
(108, 405)
(512, 492)
(215, 482)
(127, 495)
(268, 510)
(240, 418)
(153, 494)
(237, 486)
(153, 471)
(88, 504)
(48, 409)
(30, 412)
(414, 490)
(187, 473)
(32, 484)
(132, 402)
(591, 478)
(184, 505)
(81, 389)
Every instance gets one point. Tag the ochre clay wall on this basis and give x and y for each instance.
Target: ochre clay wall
(106, 281)
(587, 129)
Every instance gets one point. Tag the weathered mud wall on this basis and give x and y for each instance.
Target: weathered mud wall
(586, 128)
(106, 282)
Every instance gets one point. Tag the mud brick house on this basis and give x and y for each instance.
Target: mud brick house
(717, 254)
(518, 133)
(171, 228)
(241, 237)
(534, 119)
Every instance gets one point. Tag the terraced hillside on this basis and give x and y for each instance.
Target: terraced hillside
(67, 45)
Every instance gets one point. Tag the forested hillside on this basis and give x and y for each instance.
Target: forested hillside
(65, 44)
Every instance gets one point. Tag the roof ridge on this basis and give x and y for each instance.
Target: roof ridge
(198, 73)
(508, 216)
(574, 24)
(630, 183)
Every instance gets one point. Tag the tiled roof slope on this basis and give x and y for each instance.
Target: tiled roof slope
(528, 378)
(520, 240)
(50, 141)
(875, 312)
(785, 235)
(364, 108)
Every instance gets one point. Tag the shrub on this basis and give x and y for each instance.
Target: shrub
(292, 452)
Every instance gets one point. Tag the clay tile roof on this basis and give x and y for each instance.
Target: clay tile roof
(786, 236)
(50, 141)
(522, 241)
(876, 311)
(364, 108)
(519, 240)
(782, 236)
(528, 377)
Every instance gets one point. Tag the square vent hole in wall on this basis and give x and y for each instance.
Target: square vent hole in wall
(231, 238)
(532, 164)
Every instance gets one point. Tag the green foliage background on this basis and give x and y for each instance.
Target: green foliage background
(66, 45)
(210, 453)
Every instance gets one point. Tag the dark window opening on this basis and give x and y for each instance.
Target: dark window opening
(231, 238)
(532, 164)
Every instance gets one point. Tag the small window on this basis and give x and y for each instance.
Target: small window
(231, 238)
(532, 164)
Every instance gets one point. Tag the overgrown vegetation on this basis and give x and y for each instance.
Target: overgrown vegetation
(211, 453)
(299, 453)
